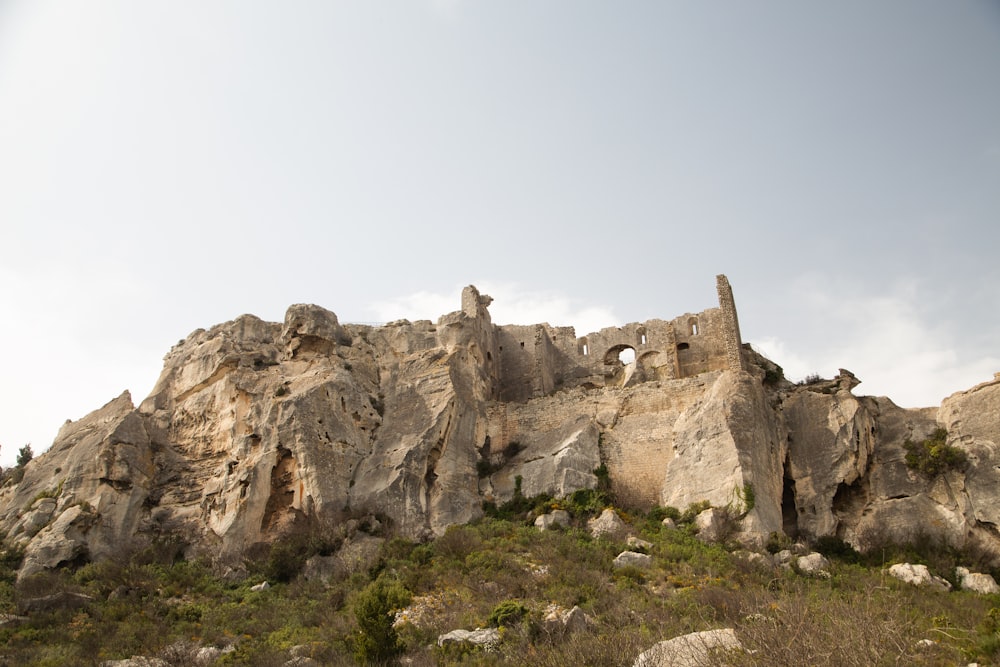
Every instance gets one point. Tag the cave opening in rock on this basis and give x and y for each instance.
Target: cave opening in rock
(789, 515)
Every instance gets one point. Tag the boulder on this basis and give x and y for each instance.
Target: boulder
(918, 575)
(555, 518)
(974, 581)
(561, 620)
(713, 524)
(691, 650)
(608, 524)
(300, 661)
(637, 543)
(632, 559)
(784, 557)
(136, 661)
(488, 638)
(814, 565)
(206, 655)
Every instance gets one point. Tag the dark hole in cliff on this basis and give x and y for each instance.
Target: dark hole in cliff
(682, 346)
(279, 512)
(849, 501)
(789, 515)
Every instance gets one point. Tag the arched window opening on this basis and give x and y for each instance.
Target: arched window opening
(623, 354)
(584, 348)
(682, 346)
(641, 335)
(693, 326)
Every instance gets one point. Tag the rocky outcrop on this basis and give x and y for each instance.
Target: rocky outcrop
(691, 650)
(919, 575)
(488, 638)
(256, 430)
(984, 584)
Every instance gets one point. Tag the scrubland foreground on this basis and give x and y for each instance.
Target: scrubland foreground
(392, 603)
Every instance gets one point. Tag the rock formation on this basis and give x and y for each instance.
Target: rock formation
(256, 430)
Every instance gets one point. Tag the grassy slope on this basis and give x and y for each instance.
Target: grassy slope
(859, 616)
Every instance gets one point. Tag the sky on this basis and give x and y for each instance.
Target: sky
(171, 164)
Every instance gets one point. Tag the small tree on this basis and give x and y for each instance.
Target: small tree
(375, 609)
(24, 455)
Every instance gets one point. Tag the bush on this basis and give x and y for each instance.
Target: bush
(693, 510)
(24, 455)
(934, 455)
(834, 547)
(507, 613)
(375, 610)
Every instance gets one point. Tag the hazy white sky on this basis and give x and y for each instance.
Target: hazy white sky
(170, 164)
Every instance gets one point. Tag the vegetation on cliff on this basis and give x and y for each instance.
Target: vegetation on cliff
(502, 572)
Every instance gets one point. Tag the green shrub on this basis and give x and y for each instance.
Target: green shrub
(375, 610)
(586, 502)
(934, 455)
(603, 478)
(693, 510)
(507, 613)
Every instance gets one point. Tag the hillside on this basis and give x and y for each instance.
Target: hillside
(257, 431)
(556, 597)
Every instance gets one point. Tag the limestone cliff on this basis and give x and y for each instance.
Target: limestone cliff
(257, 429)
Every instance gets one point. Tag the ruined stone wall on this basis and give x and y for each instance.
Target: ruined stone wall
(700, 346)
(520, 378)
(732, 341)
(538, 359)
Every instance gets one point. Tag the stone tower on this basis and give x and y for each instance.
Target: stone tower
(731, 324)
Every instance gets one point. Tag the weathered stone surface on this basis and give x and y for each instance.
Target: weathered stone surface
(557, 461)
(918, 575)
(974, 581)
(632, 559)
(692, 650)
(608, 525)
(486, 637)
(553, 519)
(63, 542)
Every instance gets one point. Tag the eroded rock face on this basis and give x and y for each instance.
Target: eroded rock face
(257, 429)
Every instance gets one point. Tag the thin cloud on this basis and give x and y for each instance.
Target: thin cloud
(512, 304)
(886, 340)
